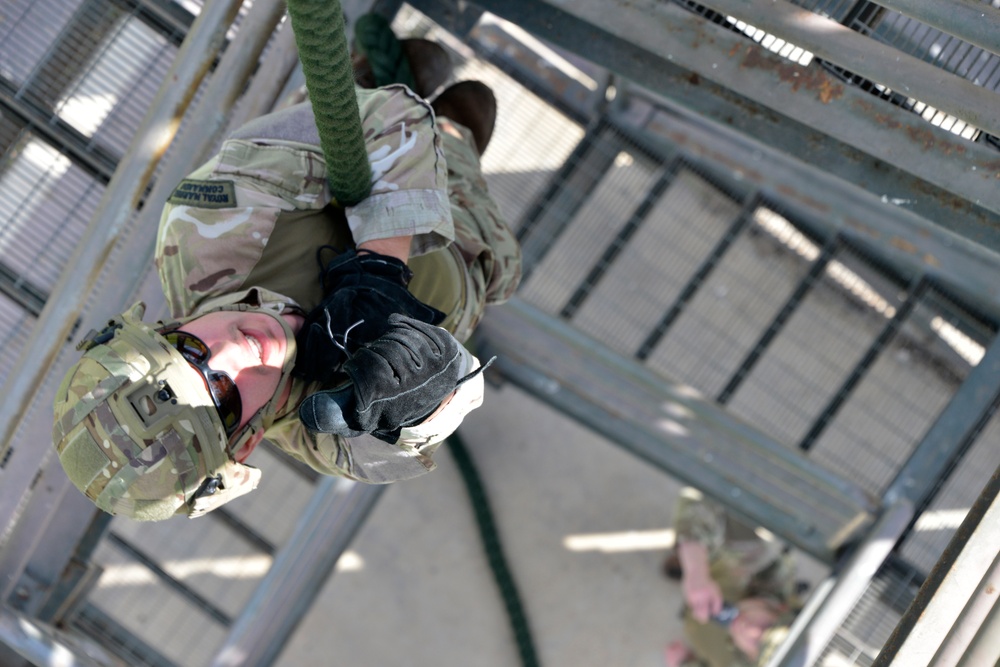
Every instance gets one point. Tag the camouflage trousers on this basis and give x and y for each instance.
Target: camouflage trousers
(485, 249)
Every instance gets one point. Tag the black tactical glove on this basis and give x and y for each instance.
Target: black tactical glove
(362, 289)
(397, 380)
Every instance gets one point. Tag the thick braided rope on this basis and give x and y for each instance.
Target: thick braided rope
(494, 551)
(373, 37)
(321, 38)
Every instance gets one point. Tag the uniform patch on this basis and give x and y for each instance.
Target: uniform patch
(204, 194)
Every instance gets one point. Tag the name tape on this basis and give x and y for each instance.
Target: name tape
(204, 194)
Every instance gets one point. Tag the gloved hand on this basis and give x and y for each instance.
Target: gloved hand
(362, 290)
(397, 380)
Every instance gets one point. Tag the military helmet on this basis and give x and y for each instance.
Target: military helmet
(136, 429)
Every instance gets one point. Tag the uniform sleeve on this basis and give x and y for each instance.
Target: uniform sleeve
(363, 459)
(409, 195)
(698, 519)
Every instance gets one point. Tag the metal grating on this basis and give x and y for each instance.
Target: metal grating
(809, 339)
(874, 616)
(813, 342)
(191, 579)
(75, 80)
(904, 33)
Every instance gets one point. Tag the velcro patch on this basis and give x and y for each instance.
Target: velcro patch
(204, 194)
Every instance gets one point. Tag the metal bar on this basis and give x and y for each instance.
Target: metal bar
(913, 294)
(618, 244)
(21, 291)
(957, 577)
(334, 515)
(169, 19)
(20, 491)
(123, 193)
(243, 529)
(42, 645)
(77, 574)
(952, 432)
(869, 58)
(688, 436)
(138, 555)
(658, 38)
(554, 208)
(708, 265)
(89, 157)
(791, 304)
(810, 635)
(969, 642)
(984, 649)
(972, 21)
(91, 621)
(270, 79)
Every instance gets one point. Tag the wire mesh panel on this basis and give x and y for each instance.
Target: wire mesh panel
(705, 280)
(75, 80)
(936, 525)
(171, 590)
(874, 617)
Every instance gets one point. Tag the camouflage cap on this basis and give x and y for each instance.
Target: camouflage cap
(136, 430)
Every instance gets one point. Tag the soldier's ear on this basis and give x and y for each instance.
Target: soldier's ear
(248, 446)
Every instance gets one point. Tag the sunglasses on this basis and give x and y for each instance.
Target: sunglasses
(225, 394)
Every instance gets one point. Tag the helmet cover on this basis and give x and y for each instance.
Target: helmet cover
(137, 432)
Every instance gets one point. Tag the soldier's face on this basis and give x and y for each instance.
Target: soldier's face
(249, 347)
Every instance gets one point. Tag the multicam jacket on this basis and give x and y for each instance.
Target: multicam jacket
(258, 212)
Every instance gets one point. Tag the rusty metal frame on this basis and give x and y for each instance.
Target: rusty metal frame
(32, 484)
(726, 77)
(971, 21)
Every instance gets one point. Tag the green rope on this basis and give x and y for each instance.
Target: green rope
(373, 38)
(319, 31)
(321, 38)
(494, 551)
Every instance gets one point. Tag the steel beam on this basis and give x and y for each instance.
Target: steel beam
(674, 38)
(335, 513)
(672, 427)
(952, 432)
(43, 645)
(972, 21)
(810, 634)
(869, 58)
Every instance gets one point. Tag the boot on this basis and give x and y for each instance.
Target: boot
(471, 104)
(672, 566)
(429, 64)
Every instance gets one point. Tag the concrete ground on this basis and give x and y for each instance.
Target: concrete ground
(584, 526)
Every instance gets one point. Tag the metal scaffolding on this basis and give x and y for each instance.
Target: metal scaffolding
(827, 170)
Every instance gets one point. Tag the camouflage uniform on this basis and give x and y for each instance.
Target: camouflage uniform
(256, 214)
(745, 565)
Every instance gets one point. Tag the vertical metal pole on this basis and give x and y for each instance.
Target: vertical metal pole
(42, 645)
(334, 515)
(810, 635)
